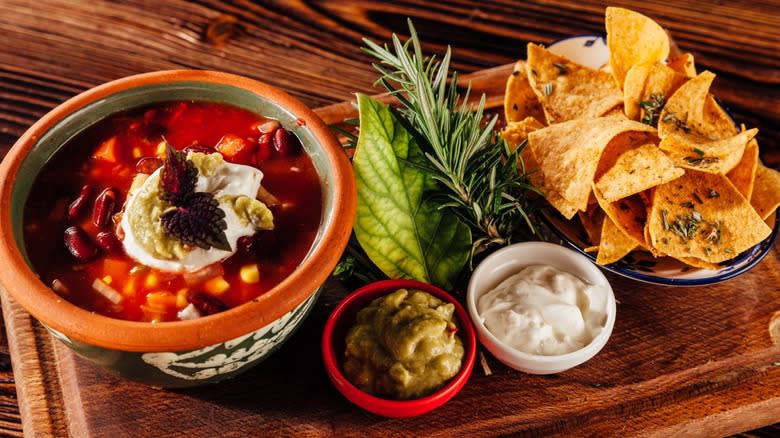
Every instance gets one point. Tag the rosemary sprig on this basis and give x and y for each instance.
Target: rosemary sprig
(652, 108)
(478, 178)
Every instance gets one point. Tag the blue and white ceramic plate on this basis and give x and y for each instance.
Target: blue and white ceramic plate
(592, 51)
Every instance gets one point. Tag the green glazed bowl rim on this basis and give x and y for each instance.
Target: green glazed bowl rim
(339, 199)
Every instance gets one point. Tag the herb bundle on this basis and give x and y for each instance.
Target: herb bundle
(478, 177)
(437, 185)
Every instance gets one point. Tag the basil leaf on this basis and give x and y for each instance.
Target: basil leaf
(404, 234)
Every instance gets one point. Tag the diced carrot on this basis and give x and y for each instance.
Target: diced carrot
(107, 151)
(203, 274)
(116, 268)
(162, 300)
(216, 286)
(236, 149)
(152, 314)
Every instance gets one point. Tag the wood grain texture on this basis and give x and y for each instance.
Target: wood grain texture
(682, 360)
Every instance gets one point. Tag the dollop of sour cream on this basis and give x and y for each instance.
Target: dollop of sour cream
(545, 311)
(146, 242)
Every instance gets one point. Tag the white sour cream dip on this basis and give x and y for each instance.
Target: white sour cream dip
(545, 311)
(223, 179)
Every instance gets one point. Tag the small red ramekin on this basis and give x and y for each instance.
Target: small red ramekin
(333, 347)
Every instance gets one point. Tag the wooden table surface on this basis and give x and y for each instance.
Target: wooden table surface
(51, 50)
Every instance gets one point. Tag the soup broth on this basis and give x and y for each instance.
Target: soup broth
(76, 247)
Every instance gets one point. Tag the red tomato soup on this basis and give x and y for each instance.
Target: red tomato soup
(71, 218)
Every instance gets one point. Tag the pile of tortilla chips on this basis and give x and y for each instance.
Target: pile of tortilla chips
(640, 151)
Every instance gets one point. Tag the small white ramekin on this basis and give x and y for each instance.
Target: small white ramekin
(510, 260)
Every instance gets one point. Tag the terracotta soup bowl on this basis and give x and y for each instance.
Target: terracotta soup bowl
(187, 352)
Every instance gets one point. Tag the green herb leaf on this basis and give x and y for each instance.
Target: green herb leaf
(562, 69)
(652, 108)
(700, 161)
(404, 234)
(548, 89)
(672, 118)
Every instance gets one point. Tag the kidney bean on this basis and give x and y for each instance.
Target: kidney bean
(109, 242)
(104, 207)
(263, 243)
(77, 207)
(151, 115)
(285, 143)
(267, 127)
(246, 244)
(79, 244)
(155, 130)
(205, 303)
(264, 148)
(148, 165)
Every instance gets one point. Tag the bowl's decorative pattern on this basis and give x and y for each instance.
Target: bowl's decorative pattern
(225, 358)
(200, 366)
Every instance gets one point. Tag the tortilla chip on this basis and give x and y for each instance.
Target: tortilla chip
(629, 214)
(519, 99)
(698, 263)
(719, 156)
(692, 113)
(567, 90)
(592, 221)
(619, 145)
(633, 88)
(702, 215)
(646, 88)
(744, 173)
(766, 191)
(721, 125)
(637, 170)
(536, 177)
(516, 133)
(633, 39)
(614, 244)
(568, 155)
(683, 64)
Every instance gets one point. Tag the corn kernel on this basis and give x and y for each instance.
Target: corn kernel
(249, 273)
(216, 286)
(137, 152)
(181, 298)
(130, 285)
(151, 281)
(160, 149)
(107, 279)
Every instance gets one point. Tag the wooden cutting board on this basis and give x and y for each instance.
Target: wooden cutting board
(680, 361)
